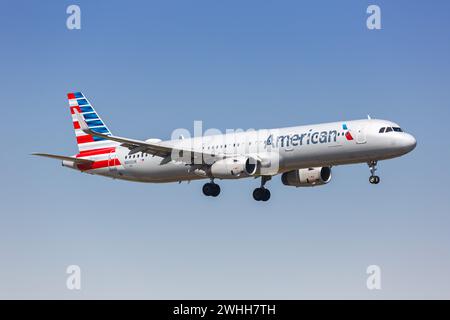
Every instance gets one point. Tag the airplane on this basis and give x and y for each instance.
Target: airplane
(303, 155)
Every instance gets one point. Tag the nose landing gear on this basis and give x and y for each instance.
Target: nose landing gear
(373, 179)
(261, 193)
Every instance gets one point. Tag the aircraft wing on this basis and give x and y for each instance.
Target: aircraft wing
(135, 146)
(55, 156)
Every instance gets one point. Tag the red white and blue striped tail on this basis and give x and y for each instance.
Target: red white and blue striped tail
(85, 141)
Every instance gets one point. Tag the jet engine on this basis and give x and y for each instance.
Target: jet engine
(309, 177)
(233, 168)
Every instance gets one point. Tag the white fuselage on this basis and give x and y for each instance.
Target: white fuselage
(289, 148)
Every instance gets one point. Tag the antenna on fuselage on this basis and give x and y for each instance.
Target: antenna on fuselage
(368, 117)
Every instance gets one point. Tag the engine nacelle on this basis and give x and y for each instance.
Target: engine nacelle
(233, 168)
(307, 177)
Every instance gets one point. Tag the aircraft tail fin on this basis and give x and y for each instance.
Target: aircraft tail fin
(85, 142)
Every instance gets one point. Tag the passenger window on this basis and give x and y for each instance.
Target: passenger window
(388, 129)
(382, 130)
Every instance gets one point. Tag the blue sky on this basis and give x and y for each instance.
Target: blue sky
(150, 67)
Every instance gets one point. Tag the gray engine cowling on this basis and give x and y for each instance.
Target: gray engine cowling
(237, 167)
(309, 177)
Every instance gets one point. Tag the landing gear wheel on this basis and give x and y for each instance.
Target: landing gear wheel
(257, 194)
(261, 194)
(206, 189)
(266, 195)
(211, 189)
(215, 190)
(374, 179)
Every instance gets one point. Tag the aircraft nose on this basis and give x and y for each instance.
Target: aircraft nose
(408, 142)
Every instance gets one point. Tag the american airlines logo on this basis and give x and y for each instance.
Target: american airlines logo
(310, 137)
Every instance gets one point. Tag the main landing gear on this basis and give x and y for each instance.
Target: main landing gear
(261, 193)
(373, 179)
(211, 189)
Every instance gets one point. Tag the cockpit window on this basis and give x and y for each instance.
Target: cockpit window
(382, 130)
(388, 129)
(397, 129)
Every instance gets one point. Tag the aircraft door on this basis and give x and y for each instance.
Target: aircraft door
(361, 135)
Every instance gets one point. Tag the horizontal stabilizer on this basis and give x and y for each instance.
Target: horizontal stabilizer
(55, 156)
